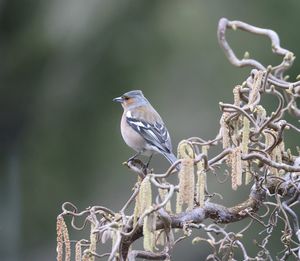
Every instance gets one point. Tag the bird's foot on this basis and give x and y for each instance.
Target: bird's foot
(137, 166)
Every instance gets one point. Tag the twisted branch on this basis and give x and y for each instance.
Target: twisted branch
(250, 147)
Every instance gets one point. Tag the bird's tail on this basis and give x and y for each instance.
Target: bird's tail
(171, 158)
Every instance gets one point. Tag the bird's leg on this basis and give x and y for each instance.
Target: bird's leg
(134, 156)
(136, 163)
(147, 164)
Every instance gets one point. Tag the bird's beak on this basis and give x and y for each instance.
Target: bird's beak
(118, 99)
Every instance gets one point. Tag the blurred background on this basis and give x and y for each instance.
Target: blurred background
(62, 63)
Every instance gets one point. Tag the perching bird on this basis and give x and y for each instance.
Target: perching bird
(142, 128)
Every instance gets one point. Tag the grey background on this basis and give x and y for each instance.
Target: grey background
(63, 61)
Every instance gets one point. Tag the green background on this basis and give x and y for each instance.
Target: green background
(63, 61)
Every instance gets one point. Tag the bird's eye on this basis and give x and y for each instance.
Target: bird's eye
(126, 98)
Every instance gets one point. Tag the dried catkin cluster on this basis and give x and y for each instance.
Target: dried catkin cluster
(240, 128)
(190, 191)
(248, 149)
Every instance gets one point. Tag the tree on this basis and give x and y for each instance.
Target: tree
(251, 150)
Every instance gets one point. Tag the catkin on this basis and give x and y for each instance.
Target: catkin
(245, 137)
(225, 131)
(236, 168)
(144, 204)
(254, 91)
(236, 95)
(78, 253)
(93, 242)
(145, 194)
(245, 142)
(59, 238)
(66, 241)
(185, 197)
(261, 115)
(201, 179)
(137, 207)
(239, 166)
(62, 238)
(149, 236)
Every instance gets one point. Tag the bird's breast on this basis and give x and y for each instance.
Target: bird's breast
(131, 137)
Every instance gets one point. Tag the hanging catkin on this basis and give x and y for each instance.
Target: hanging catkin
(137, 207)
(236, 95)
(144, 203)
(62, 238)
(185, 197)
(149, 231)
(225, 130)
(261, 115)
(93, 242)
(254, 91)
(201, 179)
(236, 168)
(78, 253)
(245, 142)
(145, 194)
(59, 238)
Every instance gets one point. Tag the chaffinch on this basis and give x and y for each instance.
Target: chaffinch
(142, 128)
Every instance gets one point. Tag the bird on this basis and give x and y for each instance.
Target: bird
(142, 128)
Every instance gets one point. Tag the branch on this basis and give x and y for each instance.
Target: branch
(248, 149)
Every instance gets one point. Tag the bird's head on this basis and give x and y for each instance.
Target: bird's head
(131, 99)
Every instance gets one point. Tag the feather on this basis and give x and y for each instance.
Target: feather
(156, 134)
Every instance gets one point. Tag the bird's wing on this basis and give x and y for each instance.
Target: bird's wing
(156, 134)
